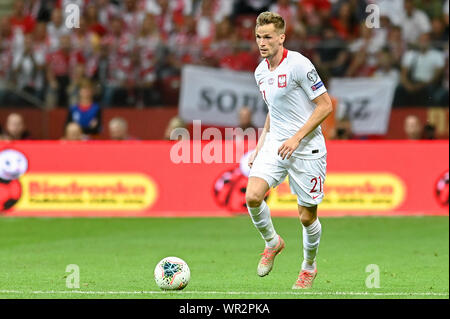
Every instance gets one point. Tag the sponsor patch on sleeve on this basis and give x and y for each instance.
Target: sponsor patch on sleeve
(317, 86)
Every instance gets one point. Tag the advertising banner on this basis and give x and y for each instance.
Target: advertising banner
(366, 102)
(159, 178)
(214, 96)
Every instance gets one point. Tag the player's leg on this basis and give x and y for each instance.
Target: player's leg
(312, 230)
(306, 179)
(265, 173)
(260, 214)
(259, 211)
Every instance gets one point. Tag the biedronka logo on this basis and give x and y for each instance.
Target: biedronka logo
(93, 192)
(346, 192)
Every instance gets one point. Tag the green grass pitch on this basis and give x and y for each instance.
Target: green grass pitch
(117, 256)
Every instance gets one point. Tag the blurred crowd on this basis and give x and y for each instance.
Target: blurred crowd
(133, 50)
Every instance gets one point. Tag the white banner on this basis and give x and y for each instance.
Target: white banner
(366, 102)
(215, 96)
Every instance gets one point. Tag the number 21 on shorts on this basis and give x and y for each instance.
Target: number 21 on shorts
(317, 186)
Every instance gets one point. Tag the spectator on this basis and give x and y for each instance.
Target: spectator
(6, 40)
(15, 128)
(163, 12)
(245, 122)
(396, 45)
(245, 118)
(205, 22)
(385, 66)
(56, 28)
(364, 51)
(60, 65)
(150, 51)
(420, 75)
(224, 37)
(217, 10)
(437, 34)
(92, 20)
(76, 80)
(184, 45)
(391, 8)
(106, 11)
(132, 16)
(414, 23)
(118, 129)
(97, 67)
(86, 113)
(287, 10)
(28, 70)
(174, 123)
(344, 22)
(41, 40)
(331, 54)
(73, 132)
(21, 22)
(84, 40)
(122, 67)
(40, 10)
(413, 127)
(241, 58)
(357, 9)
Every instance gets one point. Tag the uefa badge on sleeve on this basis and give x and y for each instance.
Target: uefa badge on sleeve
(282, 81)
(312, 76)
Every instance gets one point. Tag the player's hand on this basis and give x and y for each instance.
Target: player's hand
(288, 147)
(251, 158)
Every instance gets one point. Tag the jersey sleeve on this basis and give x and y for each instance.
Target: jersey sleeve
(305, 75)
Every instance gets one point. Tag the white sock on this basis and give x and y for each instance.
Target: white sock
(311, 240)
(263, 222)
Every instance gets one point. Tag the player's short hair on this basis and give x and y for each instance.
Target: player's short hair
(269, 18)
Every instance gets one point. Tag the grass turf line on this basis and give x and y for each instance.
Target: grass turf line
(119, 255)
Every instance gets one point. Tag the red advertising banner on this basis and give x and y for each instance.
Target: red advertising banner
(158, 178)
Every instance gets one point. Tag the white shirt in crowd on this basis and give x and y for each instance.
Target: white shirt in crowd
(54, 33)
(27, 75)
(424, 64)
(412, 26)
(415, 25)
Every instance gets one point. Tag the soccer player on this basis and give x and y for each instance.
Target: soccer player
(291, 144)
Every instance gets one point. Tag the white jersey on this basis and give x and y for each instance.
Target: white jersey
(288, 92)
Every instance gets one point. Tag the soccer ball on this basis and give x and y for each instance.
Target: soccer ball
(172, 273)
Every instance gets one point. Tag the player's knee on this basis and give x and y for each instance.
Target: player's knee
(307, 217)
(253, 199)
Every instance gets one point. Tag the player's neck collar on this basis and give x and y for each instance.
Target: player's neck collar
(285, 53)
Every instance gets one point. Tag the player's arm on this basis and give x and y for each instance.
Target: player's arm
(323, 108)
(260, 141)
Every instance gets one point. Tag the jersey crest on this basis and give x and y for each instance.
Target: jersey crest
(282, 81)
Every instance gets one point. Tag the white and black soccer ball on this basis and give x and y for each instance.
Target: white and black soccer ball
(172, 273)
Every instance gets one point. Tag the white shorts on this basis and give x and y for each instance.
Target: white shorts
(306, 176)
